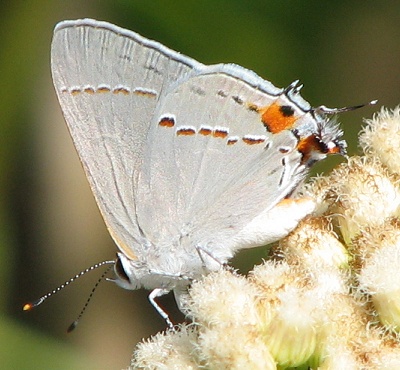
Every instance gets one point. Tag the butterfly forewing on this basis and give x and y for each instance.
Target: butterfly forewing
(109, 81)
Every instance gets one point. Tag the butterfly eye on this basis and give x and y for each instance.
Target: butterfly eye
(120, 272)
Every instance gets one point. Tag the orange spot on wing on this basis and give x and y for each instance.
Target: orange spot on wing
(147, 93)
(309, 144)
(277, 118)
(287, 202)
(253, 107)
(103, 89)
(121, 90)
(185, 132)
(167, 122)
(220, 133)
(205, 131)
(334, 150)
(126, 250)
(75, 91)
(252, 141)
(89, 90)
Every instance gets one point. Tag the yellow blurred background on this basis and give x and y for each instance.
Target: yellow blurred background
(345, 53)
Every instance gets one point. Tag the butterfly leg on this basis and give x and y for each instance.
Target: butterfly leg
(158, 292)
(209, 261)
(177, 276)
(182, 297)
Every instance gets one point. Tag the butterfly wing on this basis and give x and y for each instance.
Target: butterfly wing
(213, 166)
(109, 81)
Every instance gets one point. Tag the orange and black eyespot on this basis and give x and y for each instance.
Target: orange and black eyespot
(286, 110)
(336, 149)
(277, 118)
(311, 149)
(311, 144)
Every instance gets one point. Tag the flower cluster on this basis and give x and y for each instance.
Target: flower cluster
(329, 297)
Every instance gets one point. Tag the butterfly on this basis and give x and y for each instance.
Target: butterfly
(188, 163)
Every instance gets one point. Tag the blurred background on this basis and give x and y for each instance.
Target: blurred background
(345, 53)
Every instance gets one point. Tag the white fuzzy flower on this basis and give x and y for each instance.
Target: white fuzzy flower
(380, 138)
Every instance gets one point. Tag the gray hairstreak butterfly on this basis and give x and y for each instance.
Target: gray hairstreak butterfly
(188, 163)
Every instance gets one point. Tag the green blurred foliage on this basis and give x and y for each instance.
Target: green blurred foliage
(345, 52)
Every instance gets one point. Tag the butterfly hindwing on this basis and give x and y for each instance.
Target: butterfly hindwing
(211, 166)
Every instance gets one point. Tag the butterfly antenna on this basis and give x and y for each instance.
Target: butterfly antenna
(30, 305)
(101, 278)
